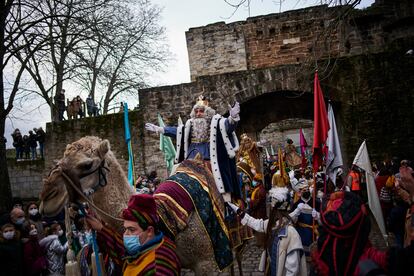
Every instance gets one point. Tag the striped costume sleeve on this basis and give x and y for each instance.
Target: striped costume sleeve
(112, 244)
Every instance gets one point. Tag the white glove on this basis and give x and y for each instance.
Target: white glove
(315, 214)
(301, 206)
(234, 207)
(262, 143)
(235, 112)
(154, 128)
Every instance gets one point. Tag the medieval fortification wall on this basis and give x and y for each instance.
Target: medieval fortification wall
(267, 63)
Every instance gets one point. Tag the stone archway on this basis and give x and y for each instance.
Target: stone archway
(259, 112)
(275, 116)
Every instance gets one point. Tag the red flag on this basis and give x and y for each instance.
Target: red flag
(303, 146)
(320, 124)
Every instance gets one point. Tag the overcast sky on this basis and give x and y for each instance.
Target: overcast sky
(177, 17)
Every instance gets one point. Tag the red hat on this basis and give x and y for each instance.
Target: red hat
(142, 209)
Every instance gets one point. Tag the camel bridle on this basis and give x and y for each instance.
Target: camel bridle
(100, 169)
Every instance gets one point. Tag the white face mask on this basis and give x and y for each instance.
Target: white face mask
(60, 232)
(20, 221)
(33, 212)
(33, 232)
(8, 235)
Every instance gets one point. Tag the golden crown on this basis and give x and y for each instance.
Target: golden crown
(202, 101)
(244, 136)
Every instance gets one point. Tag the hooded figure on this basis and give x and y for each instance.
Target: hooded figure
(344, 248)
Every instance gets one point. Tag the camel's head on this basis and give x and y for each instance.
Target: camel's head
(82, 169)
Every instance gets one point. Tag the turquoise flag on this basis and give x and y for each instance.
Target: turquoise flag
(167, 147)
(131, 174)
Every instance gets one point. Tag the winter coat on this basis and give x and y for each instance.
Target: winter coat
(37, 220)
(40, 135)
(17, 140)
(32, 141)
(35, 261)
(26, 147)
(55, 253)
(11, 257)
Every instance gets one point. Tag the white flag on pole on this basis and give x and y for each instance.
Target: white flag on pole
(362, 160)
(334, 160)
(267, 154)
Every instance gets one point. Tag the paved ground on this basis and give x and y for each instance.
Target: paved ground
(252, 255)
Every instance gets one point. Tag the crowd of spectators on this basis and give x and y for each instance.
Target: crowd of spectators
(26, 145)
(29, 244)
(76, 107)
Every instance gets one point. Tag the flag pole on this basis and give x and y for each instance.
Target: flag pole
(314, 204)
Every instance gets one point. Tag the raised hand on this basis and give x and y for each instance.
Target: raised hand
(235, 111)
(154, 128)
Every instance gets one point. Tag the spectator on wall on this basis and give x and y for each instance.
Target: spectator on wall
(26, 147)
(60, 104)
(81, 104)
(40, 137)
(18, 143)
(33, 144)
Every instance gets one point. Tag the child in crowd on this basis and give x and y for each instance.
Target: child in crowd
(55, 251)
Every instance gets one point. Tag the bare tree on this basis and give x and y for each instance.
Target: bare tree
(119, 61)
(64, 28)
(16, 19)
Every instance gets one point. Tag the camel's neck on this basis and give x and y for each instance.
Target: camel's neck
(113, 198)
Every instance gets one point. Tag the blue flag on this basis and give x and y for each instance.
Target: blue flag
(131, 179)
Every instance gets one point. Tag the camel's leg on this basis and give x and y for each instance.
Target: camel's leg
(232, 270)
(239, 258)
(203, 268)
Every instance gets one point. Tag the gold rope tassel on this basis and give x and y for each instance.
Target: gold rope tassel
(72, 267)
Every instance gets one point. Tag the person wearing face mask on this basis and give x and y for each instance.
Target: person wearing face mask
(55, 251)
(11, 251)
(32, 213)
(257, 205)
(34, 256)
(145, 245)
(17, 218)
(303, 216)
(147, 251)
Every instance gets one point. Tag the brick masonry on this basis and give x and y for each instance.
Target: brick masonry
(295, 37)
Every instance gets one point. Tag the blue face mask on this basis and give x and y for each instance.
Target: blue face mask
(254, 183)
(132, 244)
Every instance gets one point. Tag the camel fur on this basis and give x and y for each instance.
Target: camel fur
(83, 157)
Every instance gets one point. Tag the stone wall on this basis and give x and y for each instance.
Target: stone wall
(207, 45)
(111, 127)
(372, 95)
(26, 178)
(296, 37)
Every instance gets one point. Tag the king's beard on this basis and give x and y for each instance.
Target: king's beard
(200, 129)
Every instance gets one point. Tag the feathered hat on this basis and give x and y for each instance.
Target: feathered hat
(280, 198)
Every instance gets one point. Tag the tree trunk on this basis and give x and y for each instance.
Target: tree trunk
(5, 189)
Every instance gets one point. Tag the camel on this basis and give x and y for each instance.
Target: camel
(90, 165)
